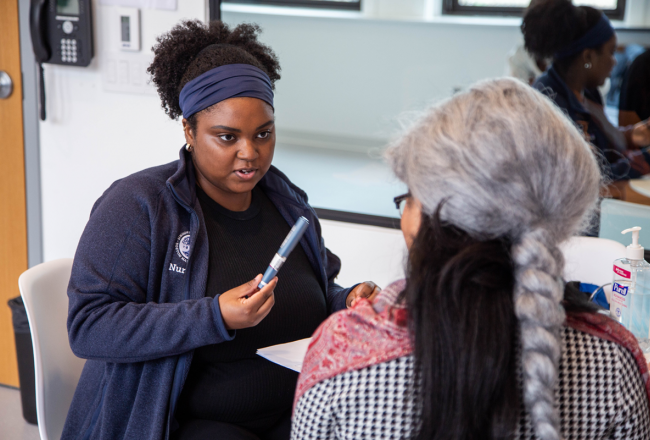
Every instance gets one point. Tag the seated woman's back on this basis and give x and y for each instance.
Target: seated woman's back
(481, 341)
(600, 395)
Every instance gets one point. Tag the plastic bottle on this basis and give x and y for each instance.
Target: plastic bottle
(630, 298)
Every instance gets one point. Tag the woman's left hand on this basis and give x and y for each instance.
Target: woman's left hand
(367, 290)
(641, 133)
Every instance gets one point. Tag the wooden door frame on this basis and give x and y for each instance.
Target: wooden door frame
(32, 139)
(21, 220)
(13, 221)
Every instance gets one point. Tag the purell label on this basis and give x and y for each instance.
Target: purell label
(622, 272)
(619, 302)
(619, 289)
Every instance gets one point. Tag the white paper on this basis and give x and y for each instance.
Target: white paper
(289, 355)
(168, 5)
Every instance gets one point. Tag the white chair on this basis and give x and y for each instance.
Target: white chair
(378, 254)
(591, 260)
(57, 370)
(367, 253)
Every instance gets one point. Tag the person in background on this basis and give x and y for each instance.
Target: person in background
(624, 56)
(163, 295)
(582, 42)
(524, 66)
(481, 341)
(634, 105)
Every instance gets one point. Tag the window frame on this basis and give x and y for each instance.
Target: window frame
(451, 7)
(320, 4)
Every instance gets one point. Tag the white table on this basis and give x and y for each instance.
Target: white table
(642, 186)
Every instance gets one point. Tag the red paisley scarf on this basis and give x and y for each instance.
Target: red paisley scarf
(373, 333)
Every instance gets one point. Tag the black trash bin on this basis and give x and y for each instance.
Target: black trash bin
(25, 355)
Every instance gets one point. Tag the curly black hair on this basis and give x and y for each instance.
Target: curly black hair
(192, 48)
(550, 25)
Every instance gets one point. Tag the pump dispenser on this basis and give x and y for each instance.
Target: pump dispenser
(634, 251)
(630, 298)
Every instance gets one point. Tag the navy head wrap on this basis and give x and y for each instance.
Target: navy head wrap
(594, 37)
(223, 82)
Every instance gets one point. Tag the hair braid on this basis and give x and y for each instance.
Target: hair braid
(538, 292)
(499, 162)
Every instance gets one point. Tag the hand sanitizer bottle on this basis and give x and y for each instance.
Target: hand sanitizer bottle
(630, 298)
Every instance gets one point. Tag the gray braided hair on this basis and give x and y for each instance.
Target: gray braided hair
(507, 163)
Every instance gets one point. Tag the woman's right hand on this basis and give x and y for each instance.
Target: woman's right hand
(641, 133)
(245, 306)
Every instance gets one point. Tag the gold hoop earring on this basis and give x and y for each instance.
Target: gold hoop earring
(188, 147)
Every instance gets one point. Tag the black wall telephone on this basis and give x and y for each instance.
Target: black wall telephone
(61, 33)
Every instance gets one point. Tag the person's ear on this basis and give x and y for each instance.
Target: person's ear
(189, 135)
(588, 58)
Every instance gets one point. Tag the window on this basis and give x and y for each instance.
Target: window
(614, 9)
(353, 5)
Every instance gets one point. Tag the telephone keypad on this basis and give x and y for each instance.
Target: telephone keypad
(69, 50)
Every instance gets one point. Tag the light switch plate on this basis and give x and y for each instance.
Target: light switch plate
(126, 72)
(129, 26)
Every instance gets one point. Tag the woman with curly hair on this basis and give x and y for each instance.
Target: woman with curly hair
(482, 340)
(163, 302)
(582, 42)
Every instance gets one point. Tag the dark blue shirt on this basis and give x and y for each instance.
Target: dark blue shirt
(229, 382)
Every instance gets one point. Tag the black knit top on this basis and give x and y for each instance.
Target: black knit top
(228, 382)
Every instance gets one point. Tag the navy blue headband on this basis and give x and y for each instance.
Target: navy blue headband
(223, 82)
(594, 37)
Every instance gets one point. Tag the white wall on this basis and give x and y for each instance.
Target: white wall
(92, 137)
(353, 77)
(344, 81)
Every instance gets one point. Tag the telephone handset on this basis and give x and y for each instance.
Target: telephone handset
(62, 33)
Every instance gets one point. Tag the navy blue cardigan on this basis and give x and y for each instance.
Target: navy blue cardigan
(137, 298)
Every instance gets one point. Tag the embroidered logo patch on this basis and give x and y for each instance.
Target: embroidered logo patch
(183, 246)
